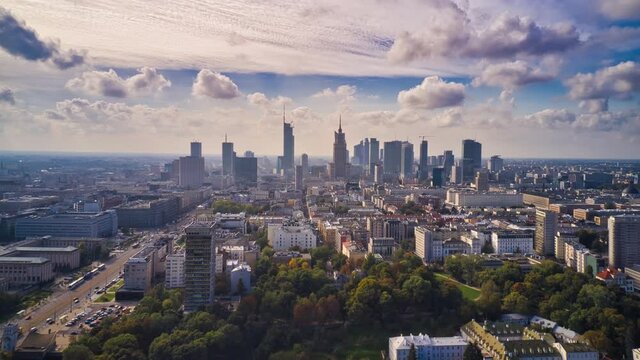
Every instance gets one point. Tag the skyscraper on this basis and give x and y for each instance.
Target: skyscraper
(624, 241)
(304, 161)
(199, 266)
(406, 160)
(437, 178)
(392, 158)
(340, 153)
(299, 177)
(546, 225)
(191, 168)
(423, 172)
(245, 171)
(471, 158)
(227, 157)
(288, 145)
(482, 180)
(495, 164)
(374, 153)
(449, 161)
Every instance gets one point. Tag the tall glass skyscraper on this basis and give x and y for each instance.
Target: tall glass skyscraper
(288, 145)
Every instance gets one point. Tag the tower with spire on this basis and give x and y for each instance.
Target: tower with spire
(339, 153)
(288, 144)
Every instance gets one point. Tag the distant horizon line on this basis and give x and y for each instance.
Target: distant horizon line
(134, 153)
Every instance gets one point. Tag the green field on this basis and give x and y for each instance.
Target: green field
(468, 292)
(110, 294)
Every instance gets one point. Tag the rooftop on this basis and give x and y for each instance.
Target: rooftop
(404, 342)
(23, 260)
(67, 249)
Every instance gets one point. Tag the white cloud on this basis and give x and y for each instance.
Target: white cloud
(432, 93)
(214, 85)
(108, 83)
(6, 96)
(620, 9)
(510, 75)
(593, 106)
(343, 93)
(619, 81)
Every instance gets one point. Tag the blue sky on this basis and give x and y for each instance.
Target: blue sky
(547, 78)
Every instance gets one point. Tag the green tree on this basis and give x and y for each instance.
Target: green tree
(122, 347)
(472, 352)
(77, 352)
(489, 299)
(413, 355)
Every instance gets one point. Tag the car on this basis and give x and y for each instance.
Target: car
(99, 291)
(76, 300)
(28, 317)
(50, 321)
(69, 324)
(33, 329)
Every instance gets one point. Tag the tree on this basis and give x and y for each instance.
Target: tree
(472, 353)
(303, 312)
(122, 347)
(77, 352)
(489, 300)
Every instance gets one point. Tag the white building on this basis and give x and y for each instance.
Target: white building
(429, 242)
(427, 348)
(384, 246)
(290, 234)
(475, 244)
(139, 270)
(472, 198)
(241, 273)
(560, 240)
(511, 242)
(174, 277)
(571, 249)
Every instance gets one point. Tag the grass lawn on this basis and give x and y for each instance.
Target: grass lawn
(468, 292)
(35, 297)
(110, 294)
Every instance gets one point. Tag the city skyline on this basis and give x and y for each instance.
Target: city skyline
(523, 81)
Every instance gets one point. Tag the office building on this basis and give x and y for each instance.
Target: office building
(471, 158)
(495, 164)
(482, 180)
(20, 271)
(139, 270)
(245, 171)
(304, 161)
(289, 234)
(191, 168)
(374, 155)
(384, 246)
(624, 241)
(423, 168)
(299, 177)
(427, 348)
(546, 228)
(174, 274)
(470, 198)
(512, 242)
(392, 158)
(91, 225)
(148, 212)
(437, 177)
(62, 258)
(288, 145)
(227, 157)
(340, 156)
(199, 266)
(406, 161)
(447, 162)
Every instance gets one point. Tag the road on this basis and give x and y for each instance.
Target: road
(62, 302)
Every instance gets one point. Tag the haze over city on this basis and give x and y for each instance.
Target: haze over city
(552, 79)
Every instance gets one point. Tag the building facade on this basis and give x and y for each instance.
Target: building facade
(91, 225)
(199, 266)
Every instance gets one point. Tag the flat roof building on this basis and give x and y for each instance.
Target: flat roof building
(92, 225)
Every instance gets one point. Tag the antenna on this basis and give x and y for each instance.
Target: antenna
(340, 124)
(283, 112)
(225, 137)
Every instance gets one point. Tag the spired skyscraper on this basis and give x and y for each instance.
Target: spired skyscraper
(340, 154)
(288, 144)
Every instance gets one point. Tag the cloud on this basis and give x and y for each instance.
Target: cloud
(432, 93)
(550, 118)
(214, 85)
(20, 41)
(506, 37)
(510, 75)
(626, 123)
(343, 93)
(618, 81)
(593, 106)
(620, 9)
(6, 96)
(108, 83)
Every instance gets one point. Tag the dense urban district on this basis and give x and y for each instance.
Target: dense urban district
(372, 254)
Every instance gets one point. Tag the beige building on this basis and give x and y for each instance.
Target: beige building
(62, 258)
(21, 271)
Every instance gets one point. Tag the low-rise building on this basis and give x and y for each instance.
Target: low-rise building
(616, 277)
(62, 258)
(139, 270)
(384, 246)
(512, 242)
(427, 348)
(21, 271)
(241, 275)
(290, 234)
(91, 225)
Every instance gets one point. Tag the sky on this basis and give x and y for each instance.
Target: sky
(546, 78)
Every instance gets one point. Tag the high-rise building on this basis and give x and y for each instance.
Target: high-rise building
(304, 161)
(374, 153)
(299, 177)
(448, 162)
(199, 266)
(471, 158)
(358, 150)
(437, 177)
(227, 157)
(495, 164)
(546, 228)
(340, 155)
(482, 180)
(423, 168)
(191, 168)
(624, 241)
(406, 160)
(392, 158)
(249, 154)
(365, 153)
(245, 171)
(288, 145)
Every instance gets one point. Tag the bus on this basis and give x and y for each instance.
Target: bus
(94, 272)
(101, 267)
(74, 284)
